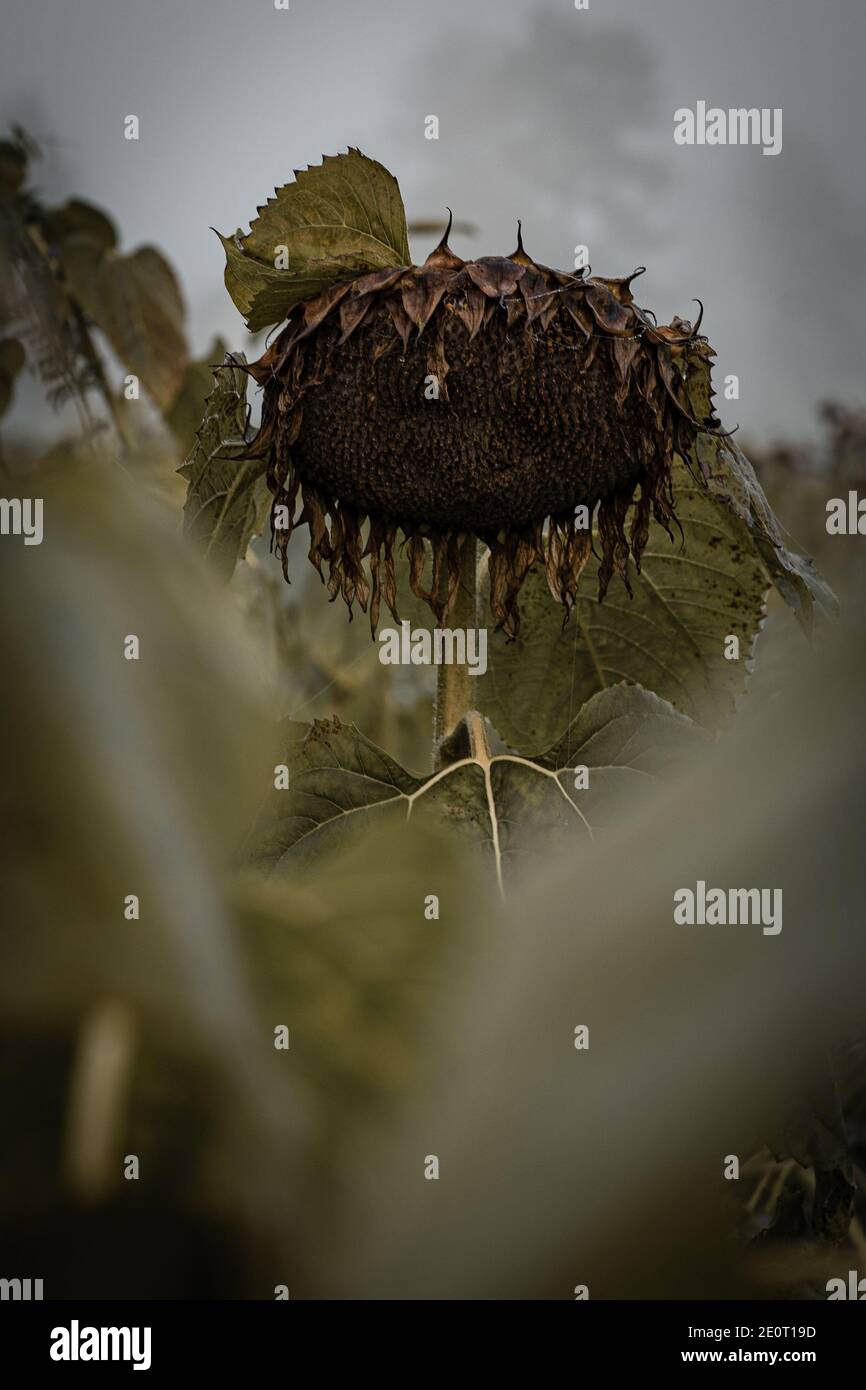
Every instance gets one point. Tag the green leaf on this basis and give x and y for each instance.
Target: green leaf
(136, 302)
(223, 503)
(669, 638)
(338, 220)
(341, 785)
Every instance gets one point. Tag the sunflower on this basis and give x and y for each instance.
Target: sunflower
(415, 406)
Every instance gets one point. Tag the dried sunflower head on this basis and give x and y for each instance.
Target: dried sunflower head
(493, 397)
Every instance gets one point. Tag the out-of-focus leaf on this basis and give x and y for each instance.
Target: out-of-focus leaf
(351, 963)
(432, 226)
(11, 356)
(32, 296)
(12, 359)
(77, 218)
(337, 220)
(670, 638)
(13, 169)
(342, 784)
(223, 506)
(537, 1140)
(316, 664)
(139, 781)
(136, 302)
(86, 800)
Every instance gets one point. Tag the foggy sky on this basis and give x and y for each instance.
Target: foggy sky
(559, 117)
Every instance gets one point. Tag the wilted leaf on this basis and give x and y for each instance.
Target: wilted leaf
(732, 482)
(136, 302)
(185, 414)
(336, 221)
(669, 638)
(342, 784)
(223, 506)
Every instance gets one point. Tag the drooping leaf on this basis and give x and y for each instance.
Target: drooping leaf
(669, 638)
(731, 481)
(136, 302)
(187, 409)
(336, 221)
(341, 784)
(223, 506)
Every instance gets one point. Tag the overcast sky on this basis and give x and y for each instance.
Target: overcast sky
(559, 117)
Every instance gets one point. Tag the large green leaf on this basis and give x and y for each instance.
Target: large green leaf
(224, 501)
(342, 785)
(336, 221)
(669, 638)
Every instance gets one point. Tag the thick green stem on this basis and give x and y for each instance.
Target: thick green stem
(455, 686)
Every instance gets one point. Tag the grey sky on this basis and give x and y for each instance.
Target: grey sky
(562, 118)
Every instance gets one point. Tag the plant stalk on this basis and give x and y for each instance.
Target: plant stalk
(454, 684)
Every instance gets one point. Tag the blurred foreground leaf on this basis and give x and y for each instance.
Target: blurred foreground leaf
(136, 301)
(11, 363)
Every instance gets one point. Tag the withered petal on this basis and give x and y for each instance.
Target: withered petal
(495, 275)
